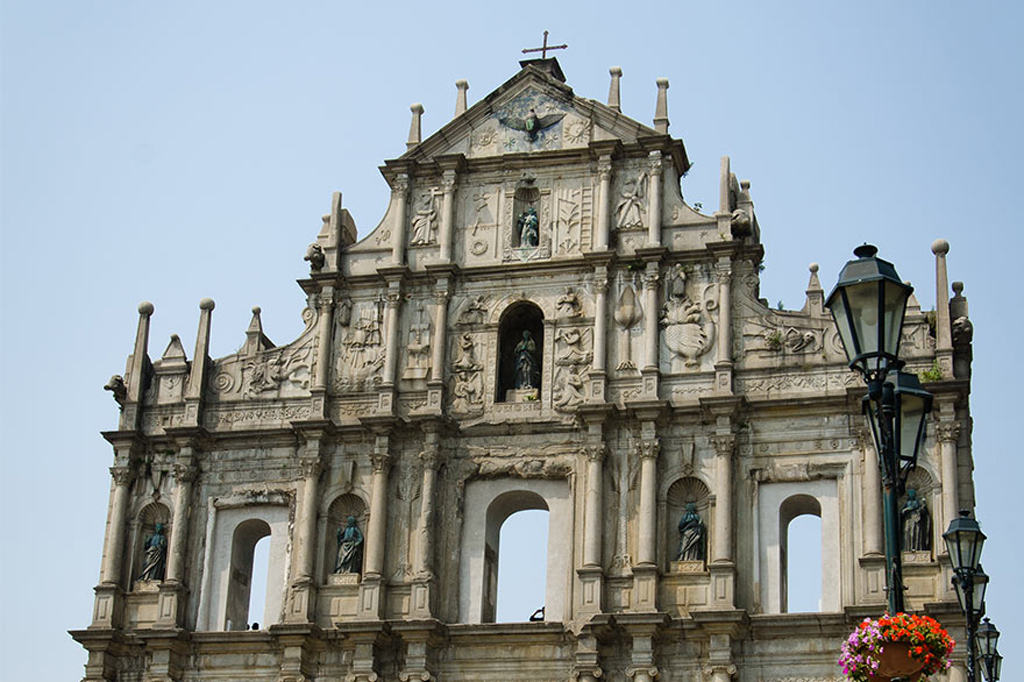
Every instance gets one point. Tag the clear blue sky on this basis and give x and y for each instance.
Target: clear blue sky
(171, 151)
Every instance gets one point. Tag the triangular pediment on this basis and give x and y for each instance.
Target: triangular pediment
(531, 112)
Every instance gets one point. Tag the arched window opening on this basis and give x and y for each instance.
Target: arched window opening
(800, 560)
(240, 581)
(260, 571)
(529, 550)
(802, 546)
(520, 353)
(522, 567)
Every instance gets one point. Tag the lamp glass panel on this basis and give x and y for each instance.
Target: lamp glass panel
(864, 308)
(837, 306)
(964, 547)
(896, 296)
(987, 638)
(978, 598)
(911, 431)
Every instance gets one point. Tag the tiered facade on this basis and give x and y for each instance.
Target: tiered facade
(539, 321)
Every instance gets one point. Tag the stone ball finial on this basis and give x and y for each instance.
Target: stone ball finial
(958, 288)
(813, 267)
(416, 108)
(206, 304)
(256, 310)
(662, 82)
(145, 308)
(615, 71)
(940, 247)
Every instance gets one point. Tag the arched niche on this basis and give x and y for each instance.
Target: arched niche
(342, 507)
(925, 535)
(517, 321)
(488, 503)
(683, 491)
(143, 526)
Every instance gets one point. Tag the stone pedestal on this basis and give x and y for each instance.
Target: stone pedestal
(723, 584)
(371, 603)
(170, 602)
(591, 592)
(645, 587)
(106, 612)
(522, 395)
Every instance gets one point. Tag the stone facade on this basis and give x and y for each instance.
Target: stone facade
(660, 379)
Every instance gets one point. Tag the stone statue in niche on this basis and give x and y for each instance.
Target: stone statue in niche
(916, 523)
(692, 536)
(630, 211)
(350, 548)
(527, 369)
(155, 560)
(529, 227)
(467, 394)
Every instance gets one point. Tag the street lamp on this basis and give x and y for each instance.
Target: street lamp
(868, 305)
(964, 541)
(992, 662)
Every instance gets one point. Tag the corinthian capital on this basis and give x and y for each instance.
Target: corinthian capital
(947, 432)
(648, 449)
(381, 462)
(123, 476)
(595, 453)
(724, 444)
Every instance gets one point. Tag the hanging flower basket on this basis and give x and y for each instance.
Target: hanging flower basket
(904, 646)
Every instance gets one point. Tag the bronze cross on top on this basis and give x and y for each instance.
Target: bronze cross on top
(544, 48)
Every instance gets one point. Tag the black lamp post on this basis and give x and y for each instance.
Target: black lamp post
(868, 305)
(991, 661)
(964, 541)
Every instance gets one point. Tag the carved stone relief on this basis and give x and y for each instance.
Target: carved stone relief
(631, 209)
(772, 334)
(572, 359)
(467, 379)
(574, 211)
(417, 355)
(360, 359)
(688, 319)
(627, 314)
(474, 312)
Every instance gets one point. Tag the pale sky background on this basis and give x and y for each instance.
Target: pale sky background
(171, 151)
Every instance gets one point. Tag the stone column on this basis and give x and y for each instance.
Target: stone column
(948, 433)
(421, 597)
(440, 341)
(723, 360)
(386, 394)
(400, 195)
(321, 375)
(371, 601)
(722, 546)
(604, 172)
(594, 505)
(172, 590)
(113, 557)
(302, 595)
(654, 199)
(598, 373)
(447, 208)
(872, 492)
(650, 279)
(645, 572)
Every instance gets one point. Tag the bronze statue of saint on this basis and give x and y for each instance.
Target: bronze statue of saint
(156, 555)
(916, 523)
(529, 227)
(692, 536)
(350, 548)
(527, 371)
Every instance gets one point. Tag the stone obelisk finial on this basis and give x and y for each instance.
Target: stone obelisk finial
(460, 98)
(613, 89)
(661, 109)
(414, 126)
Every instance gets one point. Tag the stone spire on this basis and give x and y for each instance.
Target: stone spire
(414, 126)
(613, 89)
(460, 99)
(661, 108)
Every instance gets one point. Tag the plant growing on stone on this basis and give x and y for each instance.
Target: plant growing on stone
(933, 374)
